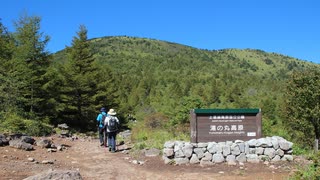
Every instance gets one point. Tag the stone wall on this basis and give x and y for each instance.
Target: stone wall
(232, 152)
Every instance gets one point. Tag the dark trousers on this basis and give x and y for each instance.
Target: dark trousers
(101, 136)
(112, 140)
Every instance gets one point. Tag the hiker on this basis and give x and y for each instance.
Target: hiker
(100, 119)
(112, 123)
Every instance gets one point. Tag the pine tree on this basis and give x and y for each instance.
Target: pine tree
(107, 93)
(30, 60)
(7, 92)
(81, 82)
(53, 90)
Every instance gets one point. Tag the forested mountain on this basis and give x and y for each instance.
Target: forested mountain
(145, 78)
(152, 82)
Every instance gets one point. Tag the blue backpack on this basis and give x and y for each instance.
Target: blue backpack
(101, 122)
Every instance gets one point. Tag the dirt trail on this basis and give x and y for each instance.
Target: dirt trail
(97, 163)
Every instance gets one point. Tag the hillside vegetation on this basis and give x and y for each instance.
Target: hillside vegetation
(152, 84)
(162, 81)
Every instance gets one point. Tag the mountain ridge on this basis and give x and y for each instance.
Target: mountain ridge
(203, 49)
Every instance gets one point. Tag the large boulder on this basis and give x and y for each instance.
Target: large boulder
(19, 144)
(125, 134)
(169, 144)
(28, 139)
(168, 152)
(285, 145)
(16, 136)
(187, 150)
(3, 140)
(57, 174)
(218, 158)
(44, 143)
(241, 158)
(194, 159)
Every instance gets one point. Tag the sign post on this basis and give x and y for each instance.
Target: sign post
(220, 125)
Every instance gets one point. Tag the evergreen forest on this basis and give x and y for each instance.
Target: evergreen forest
(152, 84)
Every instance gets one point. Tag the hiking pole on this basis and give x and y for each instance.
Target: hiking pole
(104, 138)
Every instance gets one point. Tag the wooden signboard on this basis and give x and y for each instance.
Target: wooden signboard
(219, 125)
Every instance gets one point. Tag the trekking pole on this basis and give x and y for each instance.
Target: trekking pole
(104, 138)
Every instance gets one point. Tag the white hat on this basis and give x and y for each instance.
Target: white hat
(112, 112)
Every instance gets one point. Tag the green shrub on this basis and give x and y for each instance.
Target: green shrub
(37, 128)
(311, 171)
(146, 136)
(298, 150)
(140, 145)
(12, 123)
(155, 120)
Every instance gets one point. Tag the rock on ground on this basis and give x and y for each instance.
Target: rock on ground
(57, 174)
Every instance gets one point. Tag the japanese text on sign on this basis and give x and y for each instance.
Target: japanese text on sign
(219, 128)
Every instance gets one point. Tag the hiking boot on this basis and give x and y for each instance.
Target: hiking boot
(101, 144)
(109, 149)
(113, 151)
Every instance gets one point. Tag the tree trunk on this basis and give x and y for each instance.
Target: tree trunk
(316, 145)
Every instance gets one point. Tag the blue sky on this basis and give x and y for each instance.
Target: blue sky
(288, 27)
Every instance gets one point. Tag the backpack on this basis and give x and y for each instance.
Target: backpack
(102, 119)
(101, 122)
(113, 124)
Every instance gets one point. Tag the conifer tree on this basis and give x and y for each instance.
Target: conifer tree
(30, 62)
(80, 87)
(53, 90)
(107, 93)
(7, 92)
(302, 107)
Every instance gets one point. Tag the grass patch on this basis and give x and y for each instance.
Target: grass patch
(145, 137)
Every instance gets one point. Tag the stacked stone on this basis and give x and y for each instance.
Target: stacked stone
(255, 150)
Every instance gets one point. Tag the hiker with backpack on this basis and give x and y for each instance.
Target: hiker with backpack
(112, 124)
(101, 128)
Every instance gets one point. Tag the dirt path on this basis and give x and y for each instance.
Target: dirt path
(97, 163)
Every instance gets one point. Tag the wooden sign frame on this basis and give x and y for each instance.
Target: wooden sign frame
(219, 125)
